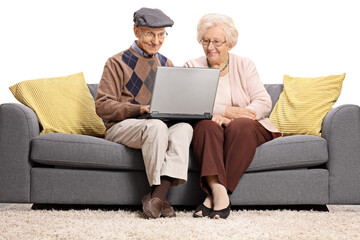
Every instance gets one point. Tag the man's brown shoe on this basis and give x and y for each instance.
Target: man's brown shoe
(152, 207)
(167, 210)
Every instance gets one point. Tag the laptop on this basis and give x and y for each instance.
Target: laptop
(182, 93)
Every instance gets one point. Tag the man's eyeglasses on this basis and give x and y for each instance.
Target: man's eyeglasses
(216, 43)
(151, 35)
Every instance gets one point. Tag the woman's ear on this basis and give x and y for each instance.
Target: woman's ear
(229, 46)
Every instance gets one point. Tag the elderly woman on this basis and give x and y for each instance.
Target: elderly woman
(225, 146)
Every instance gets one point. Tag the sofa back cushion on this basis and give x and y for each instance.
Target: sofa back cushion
(93, 89)
(274, 91)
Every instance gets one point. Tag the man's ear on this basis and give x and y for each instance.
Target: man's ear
(136, 32)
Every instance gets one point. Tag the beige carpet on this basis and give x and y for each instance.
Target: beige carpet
(19, 222)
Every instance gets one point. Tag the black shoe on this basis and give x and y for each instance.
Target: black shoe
(223, 213)
(205, 211)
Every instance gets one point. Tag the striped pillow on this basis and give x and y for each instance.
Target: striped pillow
(304, 103)
(62, 104)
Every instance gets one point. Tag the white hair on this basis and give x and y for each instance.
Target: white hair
(214, 20)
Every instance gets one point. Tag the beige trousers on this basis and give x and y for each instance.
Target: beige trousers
(165, 150)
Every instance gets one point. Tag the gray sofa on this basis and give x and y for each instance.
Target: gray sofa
(75, 169)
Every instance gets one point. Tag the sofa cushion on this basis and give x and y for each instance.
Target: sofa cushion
(300, 151)
(79, 151)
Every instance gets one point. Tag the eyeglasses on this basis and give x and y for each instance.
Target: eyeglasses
(216, 43)
(150, 35)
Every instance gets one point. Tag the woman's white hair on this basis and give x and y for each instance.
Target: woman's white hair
(214, 20)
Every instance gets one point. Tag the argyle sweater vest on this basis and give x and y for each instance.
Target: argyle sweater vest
(140, 78)
(126, 84)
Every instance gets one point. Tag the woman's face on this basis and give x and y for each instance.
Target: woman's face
(216, 54)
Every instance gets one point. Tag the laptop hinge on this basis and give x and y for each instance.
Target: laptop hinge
(207, 115)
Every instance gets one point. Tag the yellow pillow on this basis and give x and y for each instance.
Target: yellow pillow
(304, 103)
(62, 104)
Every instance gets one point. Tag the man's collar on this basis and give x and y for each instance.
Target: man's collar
(138, 50)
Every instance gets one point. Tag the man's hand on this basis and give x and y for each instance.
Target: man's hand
(220, 119)
(144, 109)
(238, 112)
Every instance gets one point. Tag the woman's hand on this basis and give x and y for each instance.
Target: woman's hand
(238, 112)
(144, 109)
(220, 120)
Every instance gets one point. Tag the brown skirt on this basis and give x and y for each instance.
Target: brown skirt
(227, 152)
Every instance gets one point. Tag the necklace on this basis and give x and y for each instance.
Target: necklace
(227, 63)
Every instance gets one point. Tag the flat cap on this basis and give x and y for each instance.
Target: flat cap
(152, 17)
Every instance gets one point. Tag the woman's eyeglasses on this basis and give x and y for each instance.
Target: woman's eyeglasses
(217, 43)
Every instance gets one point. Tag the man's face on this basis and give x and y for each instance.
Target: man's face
(150, 39)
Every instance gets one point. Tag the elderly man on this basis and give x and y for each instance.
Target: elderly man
(124, 94)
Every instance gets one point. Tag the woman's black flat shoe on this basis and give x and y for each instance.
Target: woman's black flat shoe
(223, 213)
(205, 211)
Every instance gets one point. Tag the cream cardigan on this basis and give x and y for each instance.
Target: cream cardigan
(247, 90)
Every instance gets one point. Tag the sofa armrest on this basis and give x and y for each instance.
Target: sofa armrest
(18, 126)
(341, 128)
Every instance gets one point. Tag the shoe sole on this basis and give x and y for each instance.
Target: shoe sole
(168, 216)
(149, 214)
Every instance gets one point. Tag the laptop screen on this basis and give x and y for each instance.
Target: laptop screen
(188, 91)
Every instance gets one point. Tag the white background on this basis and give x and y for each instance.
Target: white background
(304, 38)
